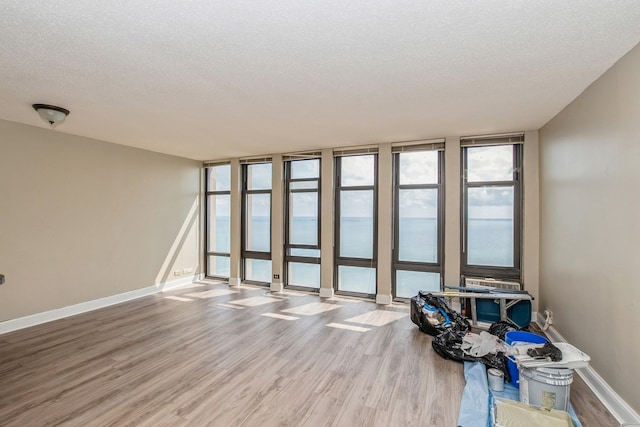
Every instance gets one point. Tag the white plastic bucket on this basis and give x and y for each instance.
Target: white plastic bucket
(546, 387)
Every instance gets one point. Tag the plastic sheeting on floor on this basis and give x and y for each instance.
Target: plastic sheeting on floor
(474, 408)
(477, 398)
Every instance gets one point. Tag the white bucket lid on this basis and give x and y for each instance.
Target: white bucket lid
(572, 358)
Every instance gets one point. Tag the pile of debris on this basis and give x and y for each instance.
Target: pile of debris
(521, 375)
(452, 334)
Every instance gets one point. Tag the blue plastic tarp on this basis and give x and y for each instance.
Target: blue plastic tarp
(474, 407)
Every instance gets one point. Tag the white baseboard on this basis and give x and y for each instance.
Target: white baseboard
(326, 292)
(83, 307)
(234, 281)
(384, 299)
(178, 283)
(609, 398)
(276, 287)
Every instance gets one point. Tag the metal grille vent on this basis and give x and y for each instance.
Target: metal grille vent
(487, 283)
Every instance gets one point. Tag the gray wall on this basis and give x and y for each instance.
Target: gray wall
(590, 226)
(82, 219)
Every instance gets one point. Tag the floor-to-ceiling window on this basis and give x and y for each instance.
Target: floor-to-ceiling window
(256, 222)
(356, 237)
(218, 236)
(492, 207)
(418, 219)
(302, 231)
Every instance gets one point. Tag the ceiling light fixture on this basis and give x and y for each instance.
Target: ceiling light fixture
(51, 113)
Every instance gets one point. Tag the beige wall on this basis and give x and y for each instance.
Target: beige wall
(82, 219)
(530, 217)
(327, 229)
(590, 232)
(385, 221)
(236, 223)
(452, 204)
(277, 222)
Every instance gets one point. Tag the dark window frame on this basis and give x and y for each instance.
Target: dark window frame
(287, 233)
(350, 261)
(427, 267)
(244, 252)
(497, 272)
(207, 227)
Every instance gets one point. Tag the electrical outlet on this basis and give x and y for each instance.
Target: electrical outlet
(276, 276)
(187, 270)
(177, 273)
(548, 319)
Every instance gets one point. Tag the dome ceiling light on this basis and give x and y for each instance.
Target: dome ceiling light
(50, 113)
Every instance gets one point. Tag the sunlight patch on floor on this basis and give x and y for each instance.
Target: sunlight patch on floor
(348, 327)
(312, 309)
(227, 306)
(289, 293)
(280, 316)
(377, 317)
(255, 301)
(250, 287)
(345, 299)
(214, 282)
(211, 293)
(175, 298)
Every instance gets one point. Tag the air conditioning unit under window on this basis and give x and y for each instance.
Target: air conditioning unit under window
(488, 283)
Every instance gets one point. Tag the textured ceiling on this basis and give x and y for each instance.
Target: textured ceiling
(210, 79)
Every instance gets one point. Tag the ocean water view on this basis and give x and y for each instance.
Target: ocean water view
(490, 242)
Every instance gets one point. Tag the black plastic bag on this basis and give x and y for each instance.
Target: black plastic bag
(498, 361)
(433, 316)
(501, 327)
(447, 345)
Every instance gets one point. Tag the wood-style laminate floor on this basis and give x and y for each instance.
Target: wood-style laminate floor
(212, 355)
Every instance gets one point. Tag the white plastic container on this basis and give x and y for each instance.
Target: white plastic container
(546, 387)
(495, 378)
(572, 358)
